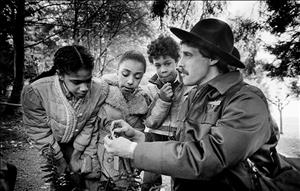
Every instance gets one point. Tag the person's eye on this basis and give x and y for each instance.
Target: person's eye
(88, 81)
(187, 54)
(125, 73)
(76, 82)
(138, 76)
(168, 64)
(157, 65)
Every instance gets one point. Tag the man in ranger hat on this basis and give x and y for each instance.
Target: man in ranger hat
(225, 125)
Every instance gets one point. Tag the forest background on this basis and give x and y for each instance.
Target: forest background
(266, 34)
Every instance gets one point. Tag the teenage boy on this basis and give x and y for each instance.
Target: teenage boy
(167, 94)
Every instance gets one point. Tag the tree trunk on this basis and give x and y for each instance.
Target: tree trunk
(75, 29)
(280, 121)
(18, 57)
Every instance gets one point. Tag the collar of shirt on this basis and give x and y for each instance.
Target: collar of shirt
(224, 82)
(65, 90)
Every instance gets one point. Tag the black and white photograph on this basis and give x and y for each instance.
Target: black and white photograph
(149, 95)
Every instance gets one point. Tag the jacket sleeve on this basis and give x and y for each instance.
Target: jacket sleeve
(207, 150)
(87, 139)
(36, 121)
(103, 121)
(157, 113)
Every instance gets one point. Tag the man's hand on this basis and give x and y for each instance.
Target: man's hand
(166, 92)
(119, 146)
(122, 128)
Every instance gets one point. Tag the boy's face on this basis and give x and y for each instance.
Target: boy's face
(197, 67)
(165, 68)
(78, 83)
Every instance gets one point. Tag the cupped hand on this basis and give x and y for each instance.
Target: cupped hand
(166, 92)
(119, 146)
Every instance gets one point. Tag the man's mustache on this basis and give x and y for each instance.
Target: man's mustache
(180, 69)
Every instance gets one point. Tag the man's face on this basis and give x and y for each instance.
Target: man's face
(195, 65)
(130, 74)
(165, 68)
(78, 83)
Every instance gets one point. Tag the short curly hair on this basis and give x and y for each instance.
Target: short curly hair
(163, 46)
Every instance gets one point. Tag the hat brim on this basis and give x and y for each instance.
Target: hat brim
(189, 36)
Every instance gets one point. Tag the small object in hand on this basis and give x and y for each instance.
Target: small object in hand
(112, 133)
(116, 162)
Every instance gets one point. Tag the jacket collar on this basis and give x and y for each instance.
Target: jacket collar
(65, 90)
(155, 80)
(136, 105)
(224, 82)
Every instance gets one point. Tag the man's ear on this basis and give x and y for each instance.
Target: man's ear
(213, 61)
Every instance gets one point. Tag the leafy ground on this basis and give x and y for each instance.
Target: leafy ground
(16, 148)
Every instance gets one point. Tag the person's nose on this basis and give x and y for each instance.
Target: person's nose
(181, 63)
(84, 87)
(130, 80)
(163, 69)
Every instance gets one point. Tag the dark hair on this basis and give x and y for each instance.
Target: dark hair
(133, 55)
(163, 46)
(69, 59)
(236, 54)
(221, 65)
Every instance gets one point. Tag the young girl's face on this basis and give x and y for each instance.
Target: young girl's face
(130, 74)
(78, 83)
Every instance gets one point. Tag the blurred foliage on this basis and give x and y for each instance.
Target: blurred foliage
(283, 20)
(6, 65)
(247, 41)
(6, 48)
(94, 24)
(108, 28)
(50, 24)
(185, 11)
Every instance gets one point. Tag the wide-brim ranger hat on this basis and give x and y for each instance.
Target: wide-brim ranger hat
(215, 36)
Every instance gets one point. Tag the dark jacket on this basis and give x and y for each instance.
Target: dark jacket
(215, 137)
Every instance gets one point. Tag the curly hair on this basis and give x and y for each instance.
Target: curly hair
(163, 46)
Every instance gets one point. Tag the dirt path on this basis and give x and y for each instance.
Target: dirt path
(27, 161)
(15, 148)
